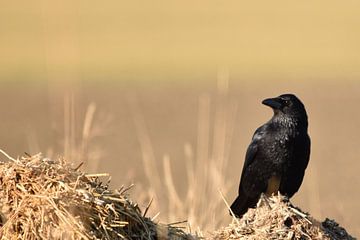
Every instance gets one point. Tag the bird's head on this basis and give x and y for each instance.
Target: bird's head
(287, 105)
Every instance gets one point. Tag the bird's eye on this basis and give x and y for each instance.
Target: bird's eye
(285, 102)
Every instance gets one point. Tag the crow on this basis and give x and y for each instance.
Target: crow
(277, 156)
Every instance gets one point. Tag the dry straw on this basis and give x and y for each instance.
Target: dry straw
(276, 218)
(42, 198)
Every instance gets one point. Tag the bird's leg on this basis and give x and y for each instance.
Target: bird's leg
(265, 199)
(287, 200)
(285, 197)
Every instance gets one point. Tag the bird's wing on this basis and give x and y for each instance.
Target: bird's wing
(243, 201)
(296, 171)
(252, 151)
(253, 147)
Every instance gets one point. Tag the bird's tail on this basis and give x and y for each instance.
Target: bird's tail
(241, 204)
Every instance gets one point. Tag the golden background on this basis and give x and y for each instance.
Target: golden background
(165, 59)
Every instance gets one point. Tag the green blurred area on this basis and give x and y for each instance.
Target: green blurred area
(177, 40)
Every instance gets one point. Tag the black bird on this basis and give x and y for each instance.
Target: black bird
(277, 156)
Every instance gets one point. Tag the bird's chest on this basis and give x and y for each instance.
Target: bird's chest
(279, 149)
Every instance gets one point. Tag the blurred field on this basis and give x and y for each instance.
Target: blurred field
(34, 121)
(146, 76)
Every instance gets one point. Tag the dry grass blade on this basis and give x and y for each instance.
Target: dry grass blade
(228, 207)
(206, 163)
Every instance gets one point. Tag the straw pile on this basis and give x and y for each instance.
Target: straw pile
(276, 218)
(42, 198)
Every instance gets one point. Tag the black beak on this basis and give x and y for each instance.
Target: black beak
(274, 103)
